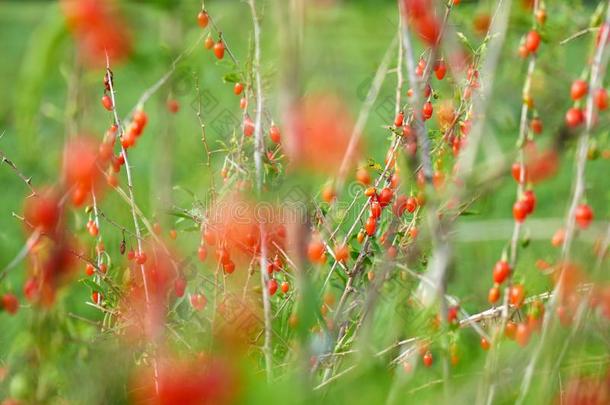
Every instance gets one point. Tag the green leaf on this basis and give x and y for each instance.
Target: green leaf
(95, 286)
(178, 214)
(465, 41)
(232, 77)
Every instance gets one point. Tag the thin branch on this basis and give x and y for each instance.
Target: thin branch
(120, 133)
(11, 164)
(258, 152)
(598, 69)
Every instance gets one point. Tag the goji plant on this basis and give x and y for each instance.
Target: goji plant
(324, 201)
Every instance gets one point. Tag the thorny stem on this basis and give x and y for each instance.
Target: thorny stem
(258, 152)
(120, 133)
(201, 123)
(96, 220)
(11, 164)
(598, 69)
(514, 241)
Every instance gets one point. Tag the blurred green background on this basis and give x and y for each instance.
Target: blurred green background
(344, 43)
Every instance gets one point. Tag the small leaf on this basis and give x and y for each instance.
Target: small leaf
(465, 41)
(178, 214)
(232, 77)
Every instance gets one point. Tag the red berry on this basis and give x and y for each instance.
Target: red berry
(93, 229)
(541, 16)
(537, 125)
(140, 119)
(202, 19)
(574, 117)
(128, 140)
(494, 295)
(285, 287)
(209, 42)
(277, 264)
(272, 286)
(510, 330)
(107, 102)
(427, 359)
(141, 258)
(173, 106)
(516, 295)
(96, 297)
(371, 226)
(89, 270)
(198, 302)
(579, 89)
(315, 251)
(440, 70)
(219, 49)
(427, 90)
(238, 88)
(529, 198)
(375, 209)
(485, 344)
(202, 253)
(601, 99)
(452, 314)
(43, 211)
(520, 211)
(328, 193)
(173, 234)
(399, 119)
(501, 271)
(411, 204)
(209, 236)
(78, 196)
(516, 172)
(229, 267)
(179, 286)
(341, 253)
(243, 103)
(584, 216)
(274, 134)
(558, 237)
(522, 334)
(523, 53)
(30, 288)
(248, 127)
(427, 110)
(385, 196)
(10, 303)
(222, 255)
(532, 41)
